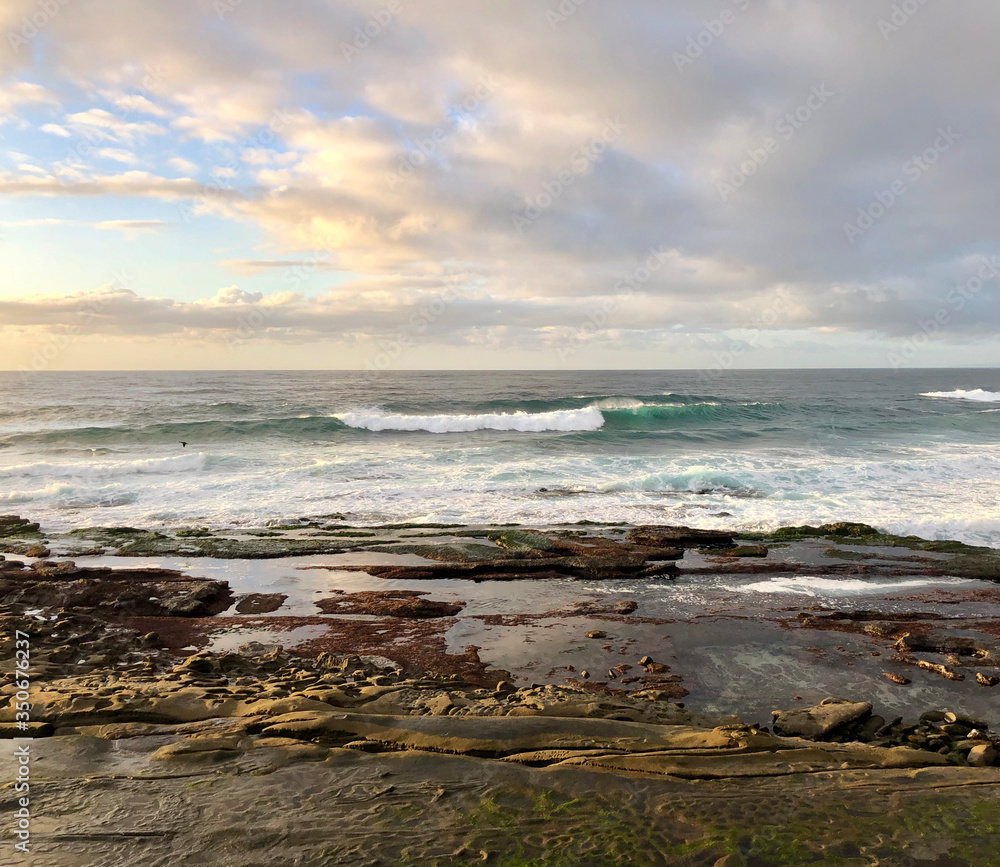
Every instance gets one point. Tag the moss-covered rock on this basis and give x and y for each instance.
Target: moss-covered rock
(12, 525)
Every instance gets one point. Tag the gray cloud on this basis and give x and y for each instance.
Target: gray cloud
(744, 112)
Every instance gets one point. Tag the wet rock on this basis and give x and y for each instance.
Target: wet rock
(646, 660)
(739, 551)
(37, 551)
(934, 642)
(986, 679)
(656, 536)
(822, 720)
(260, 603)
(389, 603)
(597, 633)
(935, 667)
(656, 667)
(627, 607)
(965, 720)
(872, 725)
(13, 525)
(897, 678)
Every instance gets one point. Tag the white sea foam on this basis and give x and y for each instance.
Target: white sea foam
(620, 403)
(587, 419)
(977, 394)
(101, 469)
(809, 586)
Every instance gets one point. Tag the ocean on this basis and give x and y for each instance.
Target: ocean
(914, 451)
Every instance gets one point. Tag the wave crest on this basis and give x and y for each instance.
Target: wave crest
(587, 419)
(977, 394)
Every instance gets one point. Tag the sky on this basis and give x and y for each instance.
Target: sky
(400, 184)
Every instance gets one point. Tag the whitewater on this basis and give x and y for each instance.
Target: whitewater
(912, 452)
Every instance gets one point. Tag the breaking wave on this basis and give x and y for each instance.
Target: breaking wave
(587, 419)
(977, 394)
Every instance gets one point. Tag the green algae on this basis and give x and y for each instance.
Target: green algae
(984, 566)
(130, 542)
(789, 827)
(523, 540)
(842, 554)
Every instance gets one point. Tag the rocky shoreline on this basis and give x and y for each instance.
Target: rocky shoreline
(385, 725)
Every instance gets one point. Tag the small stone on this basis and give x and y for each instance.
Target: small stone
(646, 660)
(150, 639)
(982, 756)
(821, 720)
(986, 679)
(199, 664)
(896, 678)
(597, 633)
(585, 674)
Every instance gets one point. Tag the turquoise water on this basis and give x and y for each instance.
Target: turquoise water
(912, 451)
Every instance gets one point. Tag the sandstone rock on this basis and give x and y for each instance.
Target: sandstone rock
(821, 720)
(597, 633)
(982, 756)
(206, 748)
(986, 679)
(896, 678)
(33, 730)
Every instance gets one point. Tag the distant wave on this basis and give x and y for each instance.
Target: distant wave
(616, 415)
(95, 469)
(976, 394)
(587, 419)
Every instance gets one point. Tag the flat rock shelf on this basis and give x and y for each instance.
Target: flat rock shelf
(444, 694)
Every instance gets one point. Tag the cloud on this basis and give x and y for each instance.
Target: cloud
(130, 183)
(111, 126)
(15, 94)
(182, 165)
(118, 155)
(546, 162)
(127, 226)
